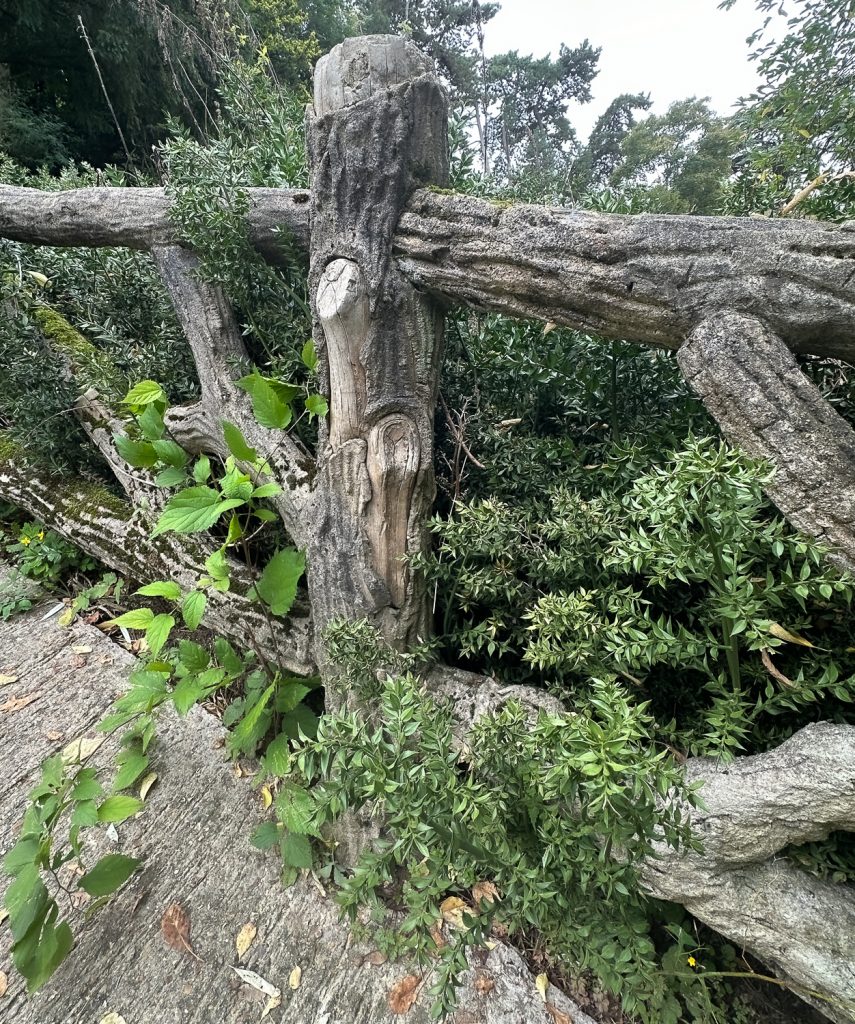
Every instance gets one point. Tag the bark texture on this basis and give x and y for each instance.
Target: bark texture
(194, 835)
(378, 129)
(800, 925)
(752, 385)
(648, 278)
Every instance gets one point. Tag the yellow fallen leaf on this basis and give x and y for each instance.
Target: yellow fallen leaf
(452, 909)
(42, 280)
(271, 1004)
(81, 649)
(542, 984)
(146, 784)
(485, 892)
(81, 748)
(257, 982)
(113, 1018)
(266, 796)
(4, 913)
(245, 938)
(295, 977)
(784, 634)
(4, 983)
(5, 680)
(549, 328)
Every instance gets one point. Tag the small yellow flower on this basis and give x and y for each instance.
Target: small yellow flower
(25, 541)
(692, 962)
(41, 535)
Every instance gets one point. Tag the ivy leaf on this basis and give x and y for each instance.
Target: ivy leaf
(139, 454)
(192, 510)
(237, 443)
(277, 585)
(161, 588)
(118, 808)
(193, 608)
(158, 632)
(267, 406)
(108, 874)
(144, 393)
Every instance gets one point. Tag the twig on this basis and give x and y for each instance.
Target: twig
(104, 89)
(820, 179)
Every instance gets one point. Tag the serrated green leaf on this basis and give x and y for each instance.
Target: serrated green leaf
(85, 814)
(151, 423)
(309, 355)
(143, 393)
(295, 807)
(193, 656)
(296, 851)
(227, 656)
(133, 765)
(244, 734)
(118, 808)
(161, 588)
(267, 491)
(237, 443)
(170, 477)
(277, 757)
(139, 618)
(267, 406)
(192, 510)
(193, 608)
(277, 585)
(202, 469)
(158, 632)
(289, 694)
(139, 454)
(109, 874)
(317, 405)
(265, 836)
(171, 453)
(217, 565)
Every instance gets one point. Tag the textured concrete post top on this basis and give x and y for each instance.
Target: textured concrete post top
(360, 67)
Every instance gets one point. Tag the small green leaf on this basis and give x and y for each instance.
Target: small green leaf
(133, 765)
(268, 408)
(277, 757)
(192, 510)
(151, 423)
(193, 608)
(217, 565)
(85, 814)
(265, 515)
(235, 531)
(267, 491)
(193, 656)
(265, 836)
(118, 808)
(295, 807)
(309, 355)
(139, 618)
(139, 454)
(316, 405)
(296, 851)
(161, 588)
(277, 585)
(170, 477)
(243, 736)
(144, 393)
(237, 443)
(171, 453)
(158, 632)
(202, 469)
(109, 874)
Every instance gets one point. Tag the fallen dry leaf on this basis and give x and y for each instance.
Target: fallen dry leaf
(17, 703)
(245, 938)
(271, 1004)
(113, 1018)
(53, 735)
(452, 909)
(403, 995)
(146, 784)
(81, 748)
(485, 892)
(81, 649)
(257, 982)
(541, 983)
(175, 927)
(295, 977)
(376, 958)
(558, 1015)
(4, 913)
(5, 680)
(266, 796)
(484, 983)
(237, 770)
(4, 983)
(437, 936)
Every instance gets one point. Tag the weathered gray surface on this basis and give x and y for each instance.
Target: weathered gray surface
(801, 926)
(194, 834)
(753, 386)
(648, 278)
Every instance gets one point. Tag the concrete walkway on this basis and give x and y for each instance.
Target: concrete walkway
(194, 836)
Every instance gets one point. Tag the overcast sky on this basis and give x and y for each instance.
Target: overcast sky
(669, 48)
